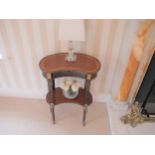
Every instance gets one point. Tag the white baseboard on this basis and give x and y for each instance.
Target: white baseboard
(23, 93)
(42, 94)
(102, 98)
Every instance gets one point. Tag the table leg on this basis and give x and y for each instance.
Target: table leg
(51, 87)
(85, 108)
(87, 86)
(52, 111)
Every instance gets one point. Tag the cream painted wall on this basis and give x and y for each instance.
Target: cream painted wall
(24, 42)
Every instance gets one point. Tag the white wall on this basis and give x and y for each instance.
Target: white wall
(24, 42)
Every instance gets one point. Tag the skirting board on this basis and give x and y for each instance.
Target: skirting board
(23, 93)
(101, 98)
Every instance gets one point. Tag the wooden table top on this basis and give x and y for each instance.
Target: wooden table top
(56, 62)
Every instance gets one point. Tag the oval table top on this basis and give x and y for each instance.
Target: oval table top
(56, 63)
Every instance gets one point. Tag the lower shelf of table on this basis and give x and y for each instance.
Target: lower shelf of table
(57, 97)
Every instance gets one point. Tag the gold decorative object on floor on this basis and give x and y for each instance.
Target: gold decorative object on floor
(134, 117)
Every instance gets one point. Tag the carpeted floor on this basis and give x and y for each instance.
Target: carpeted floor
(32, 116)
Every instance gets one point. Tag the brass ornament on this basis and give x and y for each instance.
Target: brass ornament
(134, 117)
(48, 76)
(88, 76)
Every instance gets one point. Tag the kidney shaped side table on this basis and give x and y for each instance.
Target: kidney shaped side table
(55, 66)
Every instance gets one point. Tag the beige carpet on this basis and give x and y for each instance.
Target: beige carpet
(32, 116)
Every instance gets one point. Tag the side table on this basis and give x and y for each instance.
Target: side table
(55, 66)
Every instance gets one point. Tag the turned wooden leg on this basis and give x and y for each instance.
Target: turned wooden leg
(52, 112)
(84, 114)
